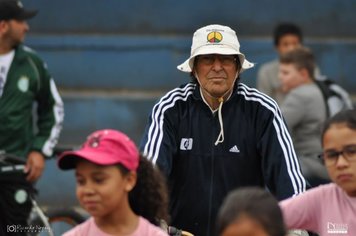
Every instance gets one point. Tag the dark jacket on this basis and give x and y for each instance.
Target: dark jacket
(257, 151)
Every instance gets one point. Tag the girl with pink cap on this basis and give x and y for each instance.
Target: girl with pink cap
(122, 191)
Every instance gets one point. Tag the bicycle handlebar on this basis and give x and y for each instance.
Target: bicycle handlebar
(10, 159)
(59, 149)
(4, 156)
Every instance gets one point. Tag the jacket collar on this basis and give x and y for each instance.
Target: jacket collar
(19, 53)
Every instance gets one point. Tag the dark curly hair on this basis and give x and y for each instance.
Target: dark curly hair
(149, 197)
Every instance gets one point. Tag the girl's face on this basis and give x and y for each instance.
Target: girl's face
(343, 172)
(102, 190)
(244, 226)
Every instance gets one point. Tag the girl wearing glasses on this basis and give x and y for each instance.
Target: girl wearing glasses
(330, 209)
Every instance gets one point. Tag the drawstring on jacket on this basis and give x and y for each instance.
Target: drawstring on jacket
(220, 138)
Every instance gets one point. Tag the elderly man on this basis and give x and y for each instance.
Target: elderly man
(215, 134)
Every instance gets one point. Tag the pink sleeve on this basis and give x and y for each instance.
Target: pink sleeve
(301, 212)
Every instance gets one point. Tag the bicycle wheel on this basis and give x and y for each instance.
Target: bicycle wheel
(60, 220)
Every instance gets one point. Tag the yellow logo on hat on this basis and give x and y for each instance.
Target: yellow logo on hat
(214, 37)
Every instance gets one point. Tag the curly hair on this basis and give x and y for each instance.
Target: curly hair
(149, 197)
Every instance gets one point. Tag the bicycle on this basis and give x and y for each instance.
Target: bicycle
(40, 220)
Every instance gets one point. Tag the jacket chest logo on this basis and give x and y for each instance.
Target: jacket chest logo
(186, 144)
(23, 84)
(234, 149)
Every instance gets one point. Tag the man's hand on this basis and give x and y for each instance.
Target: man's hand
(34, 166)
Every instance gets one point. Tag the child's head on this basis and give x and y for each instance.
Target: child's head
(287, 36)
(105, 169)
(110, 176)
(296, 68)
(250, 211)
(339, 150)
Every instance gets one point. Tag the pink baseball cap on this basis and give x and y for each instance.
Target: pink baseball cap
(103, 147)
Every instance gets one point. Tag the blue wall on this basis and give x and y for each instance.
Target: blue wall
(113, 59)
(318, 17)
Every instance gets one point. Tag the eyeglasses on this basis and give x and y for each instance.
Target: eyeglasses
(209, 59)
(330, 157)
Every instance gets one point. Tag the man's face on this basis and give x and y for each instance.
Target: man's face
(290, 76)
(288, 42)
(216, 73)
(15, 31)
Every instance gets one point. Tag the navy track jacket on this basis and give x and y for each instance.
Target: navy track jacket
(257, 151)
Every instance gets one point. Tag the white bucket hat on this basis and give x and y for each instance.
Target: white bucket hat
(214, 39)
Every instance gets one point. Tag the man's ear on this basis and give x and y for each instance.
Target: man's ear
(304, 73)
(3, 26)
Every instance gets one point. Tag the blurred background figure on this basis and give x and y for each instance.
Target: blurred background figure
(304, 110)
(286, 36)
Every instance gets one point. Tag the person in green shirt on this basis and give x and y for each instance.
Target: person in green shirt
(24, 81)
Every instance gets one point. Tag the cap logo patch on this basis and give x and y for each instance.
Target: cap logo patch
(94, 141)
(214, 37)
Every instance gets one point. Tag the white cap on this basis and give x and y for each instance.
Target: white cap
(214, 39)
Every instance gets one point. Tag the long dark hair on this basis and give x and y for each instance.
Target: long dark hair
(149, 197)
(256, 203)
